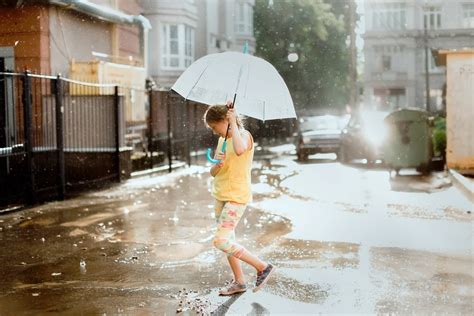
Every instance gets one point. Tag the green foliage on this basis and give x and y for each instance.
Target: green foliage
(439, 137)
(316, 30)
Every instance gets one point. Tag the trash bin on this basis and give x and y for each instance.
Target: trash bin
(409, 142)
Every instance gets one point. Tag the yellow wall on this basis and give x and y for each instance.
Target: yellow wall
(131, 80)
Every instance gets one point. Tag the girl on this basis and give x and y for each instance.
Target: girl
(231, 189)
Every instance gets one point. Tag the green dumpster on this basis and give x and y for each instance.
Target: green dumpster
(409, 142)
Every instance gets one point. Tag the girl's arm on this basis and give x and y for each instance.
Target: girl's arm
(240, 142)
(217, 167)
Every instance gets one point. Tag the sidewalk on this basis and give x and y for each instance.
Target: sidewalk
(463, 183)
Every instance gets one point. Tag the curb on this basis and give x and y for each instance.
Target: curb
(161, 169)
(164, 168)
(463, 183)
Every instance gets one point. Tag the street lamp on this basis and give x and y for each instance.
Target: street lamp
(293, 57)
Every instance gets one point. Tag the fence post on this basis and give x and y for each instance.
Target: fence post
(117, 131)
(28, 128)
(60, 138)
(168, 119)
(150, 125)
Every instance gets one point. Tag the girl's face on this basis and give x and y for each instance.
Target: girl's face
(220, 128)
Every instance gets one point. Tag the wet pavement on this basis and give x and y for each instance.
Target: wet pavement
(345, 239)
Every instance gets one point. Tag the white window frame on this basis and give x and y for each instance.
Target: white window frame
(468, 15)
(389, 16)
(243, 18)
(185, 46)
(432, 18)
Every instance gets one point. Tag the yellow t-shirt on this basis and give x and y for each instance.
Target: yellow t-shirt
(233, 182)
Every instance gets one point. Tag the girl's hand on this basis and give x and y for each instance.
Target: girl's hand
(220, 156)
(232, 116)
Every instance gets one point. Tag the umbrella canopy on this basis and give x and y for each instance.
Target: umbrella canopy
(259, 89)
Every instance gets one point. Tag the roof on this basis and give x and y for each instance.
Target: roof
(440, 54)
(102, 13)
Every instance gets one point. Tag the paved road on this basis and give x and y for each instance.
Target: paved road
(344, 239)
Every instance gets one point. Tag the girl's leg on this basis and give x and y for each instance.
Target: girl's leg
(236, 269)
(254, 261)
(234, 263)
(224, 240)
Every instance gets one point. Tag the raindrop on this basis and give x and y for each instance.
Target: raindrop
(82, 263)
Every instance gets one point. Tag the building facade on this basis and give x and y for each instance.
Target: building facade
(100, 41)
(185, 30)
(394, 49)
(46, 36)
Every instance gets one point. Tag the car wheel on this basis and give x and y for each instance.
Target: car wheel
(423, 169)
(302, 156)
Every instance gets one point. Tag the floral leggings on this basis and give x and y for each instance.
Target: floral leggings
(228, 216)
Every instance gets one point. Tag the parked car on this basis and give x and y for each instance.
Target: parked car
(318, 134)
(364, 136)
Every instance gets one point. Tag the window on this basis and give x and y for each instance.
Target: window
(177, 46)
(386, 63)
(436, 99)
(468, 15)
(432, 18)
(243, 18)
(390, 16)
(432, 65)
(389, 58)
(389, 99)
(188, 46)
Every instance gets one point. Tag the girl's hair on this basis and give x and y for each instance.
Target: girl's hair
(217, 113)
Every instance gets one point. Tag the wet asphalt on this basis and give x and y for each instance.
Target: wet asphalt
(344, 238)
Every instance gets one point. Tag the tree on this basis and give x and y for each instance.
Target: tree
(317, 31)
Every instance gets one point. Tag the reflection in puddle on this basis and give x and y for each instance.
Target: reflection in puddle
(294, 290)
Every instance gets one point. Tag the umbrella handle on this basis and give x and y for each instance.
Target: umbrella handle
(209, 157)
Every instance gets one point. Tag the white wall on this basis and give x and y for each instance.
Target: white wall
(460, 111)
(75, 36)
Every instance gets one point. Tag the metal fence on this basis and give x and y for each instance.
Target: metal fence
(53, 129)
(175, 129)
(58, 136)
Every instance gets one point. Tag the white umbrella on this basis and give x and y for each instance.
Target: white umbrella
(256, 85)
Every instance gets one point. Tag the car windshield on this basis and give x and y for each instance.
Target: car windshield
(319, 123)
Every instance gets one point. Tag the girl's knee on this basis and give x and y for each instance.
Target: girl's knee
(221, 244)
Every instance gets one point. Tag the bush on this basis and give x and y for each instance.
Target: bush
(439, 137)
